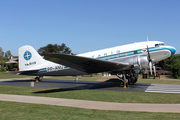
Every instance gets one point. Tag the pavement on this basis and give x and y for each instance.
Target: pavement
(167, 108)
(77, 85)
(114, 85)
(163, 88)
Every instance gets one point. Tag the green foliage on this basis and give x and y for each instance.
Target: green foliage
(173, 64)
(1, 53)
(54, 49)
(2, 69)
(4, 57)
(7, 55)
(2, 62)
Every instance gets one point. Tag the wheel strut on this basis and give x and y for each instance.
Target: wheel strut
(124, 80)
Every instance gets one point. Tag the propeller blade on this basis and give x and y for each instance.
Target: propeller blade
(149, 57)
(150, 67)
(154, 70)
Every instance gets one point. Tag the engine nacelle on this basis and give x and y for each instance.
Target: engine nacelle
(143, 61)
(140, 63)
(137, 63)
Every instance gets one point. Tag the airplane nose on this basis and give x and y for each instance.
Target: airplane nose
(173, 50)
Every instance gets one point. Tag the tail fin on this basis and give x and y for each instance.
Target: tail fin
(29, 59)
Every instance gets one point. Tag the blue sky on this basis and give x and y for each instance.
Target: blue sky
(87, 25)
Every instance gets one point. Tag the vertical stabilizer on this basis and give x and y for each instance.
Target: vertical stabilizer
(29, 59)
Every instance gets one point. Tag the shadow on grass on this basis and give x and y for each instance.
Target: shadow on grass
(169, 76)
(89, 85)
(56, 90)
(113, 80)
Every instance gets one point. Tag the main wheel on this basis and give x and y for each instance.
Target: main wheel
(135, 79)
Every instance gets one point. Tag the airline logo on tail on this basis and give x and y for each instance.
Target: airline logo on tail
(27, 55)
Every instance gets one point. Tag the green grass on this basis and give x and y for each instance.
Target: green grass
(157, 81)
(10, 76)
(95, 95)
(80, 78)
(25, 111)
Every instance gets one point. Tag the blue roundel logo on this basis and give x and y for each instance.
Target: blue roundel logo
(27, 55)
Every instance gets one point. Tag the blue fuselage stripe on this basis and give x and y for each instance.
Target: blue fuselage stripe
(132, 53)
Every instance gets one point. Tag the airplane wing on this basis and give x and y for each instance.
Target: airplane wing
(88, 65)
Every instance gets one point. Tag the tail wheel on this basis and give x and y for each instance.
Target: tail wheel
(37, 79)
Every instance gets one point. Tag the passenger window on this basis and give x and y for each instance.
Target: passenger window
(126, 54)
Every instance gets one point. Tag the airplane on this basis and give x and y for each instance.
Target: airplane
(126, 59)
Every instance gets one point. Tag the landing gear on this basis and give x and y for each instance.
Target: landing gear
(132, 79)
(128, 79)
(124, 80)
(38, 78)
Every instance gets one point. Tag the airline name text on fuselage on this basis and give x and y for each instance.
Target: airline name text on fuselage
(105, 54)
(30, 63)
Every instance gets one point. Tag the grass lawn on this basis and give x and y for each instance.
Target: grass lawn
(80, 78)
(10, 76)
(96, 95)
(159, 81)
(25, 111)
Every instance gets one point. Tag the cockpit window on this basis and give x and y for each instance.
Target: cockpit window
(160, 44)
(156, 45)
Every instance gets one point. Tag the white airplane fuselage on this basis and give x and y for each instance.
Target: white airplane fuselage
(133, 55)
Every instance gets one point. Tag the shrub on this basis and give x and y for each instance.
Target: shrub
(2, 69)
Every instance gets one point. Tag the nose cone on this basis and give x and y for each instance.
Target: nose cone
(173, 50)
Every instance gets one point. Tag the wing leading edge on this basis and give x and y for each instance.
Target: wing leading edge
(88, 65)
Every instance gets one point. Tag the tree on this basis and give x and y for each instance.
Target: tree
(172, 64)
(3, 59)
(7, 55)
(1, 53)
(54, 49)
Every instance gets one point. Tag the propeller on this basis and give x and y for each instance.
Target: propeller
(154, 68)
(149, 58)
